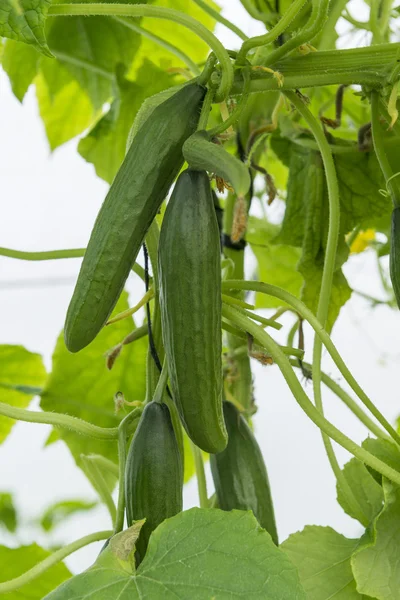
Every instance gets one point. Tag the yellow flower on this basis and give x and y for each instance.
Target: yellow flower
(362, 241)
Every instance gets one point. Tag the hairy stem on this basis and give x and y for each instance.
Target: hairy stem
(200, 474)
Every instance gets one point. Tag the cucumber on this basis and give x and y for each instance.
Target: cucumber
(150, 166)
(395, 253)
(190, 300)
(239, 473)
(200, 153)
(153, 474)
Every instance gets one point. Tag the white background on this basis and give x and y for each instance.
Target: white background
(50, 201)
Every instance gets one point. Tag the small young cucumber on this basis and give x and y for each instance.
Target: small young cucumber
(239, 473)
(202, 154)
(153, 474)
(150, 166)
(190, 300)
(395, 253)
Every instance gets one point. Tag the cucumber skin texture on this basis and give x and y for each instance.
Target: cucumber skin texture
(190, 300)
(153, 161)
(395, 253)
(201, 153)
(153, 473)
(239, 473)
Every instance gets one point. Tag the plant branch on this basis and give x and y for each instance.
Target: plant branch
(201, 476)
(50, 561)
(218, 17)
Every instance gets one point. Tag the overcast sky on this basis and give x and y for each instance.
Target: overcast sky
(50, 201)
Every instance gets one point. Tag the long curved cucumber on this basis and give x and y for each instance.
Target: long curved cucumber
(395, 253)
(190, 300)
(239, 473)
(150, 166)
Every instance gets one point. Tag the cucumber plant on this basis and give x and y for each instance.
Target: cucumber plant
(204, 148)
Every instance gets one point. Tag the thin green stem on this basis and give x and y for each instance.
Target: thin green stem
(206, 109)
(327, 278)
(329, 38)
(200, 474)
(346, 399)
(380, 150)
(84, 64)
(59, 420)
(158, 12)
(358, 24)
(97, 480)
(276, 31)
(236, 113)
(50, 561)
(160, 42)
(301, 397)
(161, 384)
(374, 21)
(122, 435)
(263, 320)
(220, 19)
(315, 24)
(301, 309)
(254, 12)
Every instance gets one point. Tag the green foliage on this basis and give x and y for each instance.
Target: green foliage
(80, 384)
(15, 561)
(8, 513)
(20, 62)
(23, 21)
(210, 568)
(58, 512)
(19, 370)
(322, 557)
(367, 492)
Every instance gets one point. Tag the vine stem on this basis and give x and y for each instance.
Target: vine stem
(326, 283)
(254, 12)
(316, 22)
(379, 147)
(276, 31)
(162, 383)
(50, 561)
(301, 309)
(122, 435)
(235, 115)
(218, 17)
(97, 480)
(158, 12)
(200, 474)
(346, 399)
(130, 24)
(59, 420)
(302, 399)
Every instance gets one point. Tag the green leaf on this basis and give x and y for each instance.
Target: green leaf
(18, 366)
(23, 21)
(16, 561)
(199, 554)
(386, 451)
(64, 106)
(105, 144)
(20, 62)
(8, 514)
(90, 49)
(58, 512)
(366, 490)
(376, 564)
(80, 384)
(276, 263)
(322, 557)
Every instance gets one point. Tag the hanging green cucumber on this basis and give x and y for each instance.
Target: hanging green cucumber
(395, 253)
(202, 154)
(150, 166)
(153, 474)
(190, 300)
(239, 473)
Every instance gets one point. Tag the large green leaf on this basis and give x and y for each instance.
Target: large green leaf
(199, 554)
(23, 21)
(80, 384)
(386, 451)
(16, 561)
(322, 557)
(105, 144)
(65, 107)
(18, 368)
(8, 514)
(367, 492)
(20, 62)
(376, 563)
